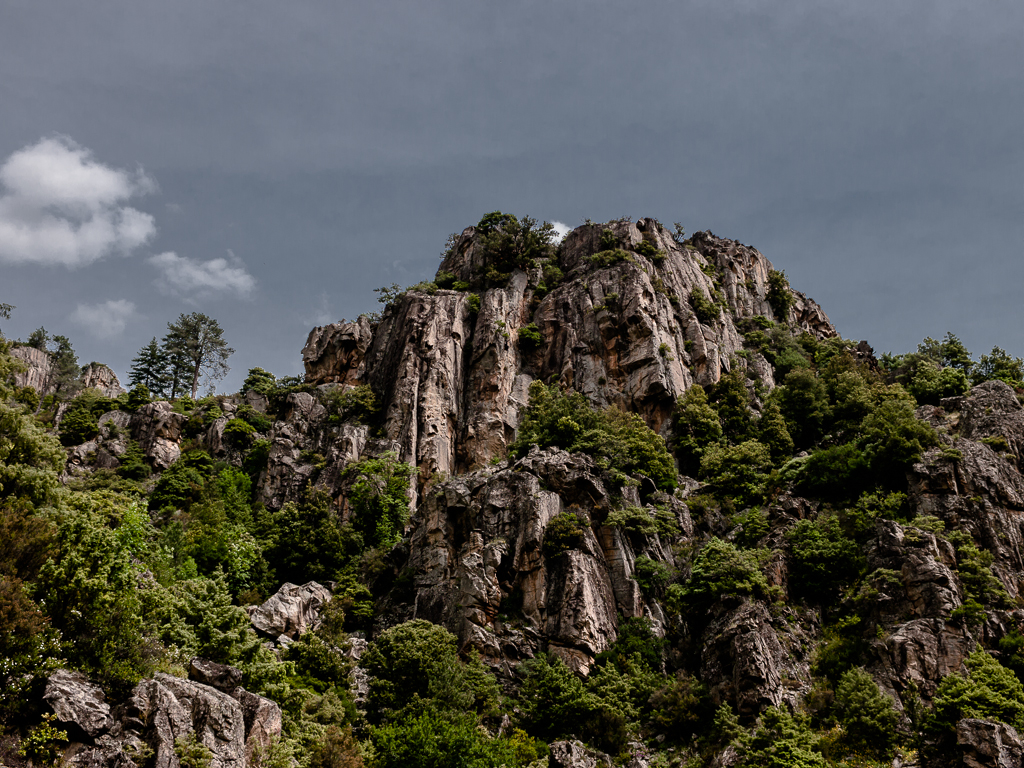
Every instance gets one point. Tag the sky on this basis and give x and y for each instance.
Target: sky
(270, 164)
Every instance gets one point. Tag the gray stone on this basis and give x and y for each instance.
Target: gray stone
(220, 676)
(573, 754)
(989, 745)
(292, 610)
(78, 701)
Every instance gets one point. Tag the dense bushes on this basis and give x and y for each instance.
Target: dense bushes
(618, 440)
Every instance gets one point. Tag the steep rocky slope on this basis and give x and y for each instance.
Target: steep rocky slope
(905, 576)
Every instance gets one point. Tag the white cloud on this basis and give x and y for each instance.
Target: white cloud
(561, 230)
(60, 206)
(181, 276)
(107, 320)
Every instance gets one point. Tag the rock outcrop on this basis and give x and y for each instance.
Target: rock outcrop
(453, 372)
(78, 702)
(292, 610)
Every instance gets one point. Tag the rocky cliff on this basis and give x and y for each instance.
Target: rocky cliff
(901, 557)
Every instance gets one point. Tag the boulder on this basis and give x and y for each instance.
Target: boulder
(101, 377)
(573, 754)
(157, 429)
(262, 722)
(78, 702)
(989, 745)
(291, 611)
(220, 676)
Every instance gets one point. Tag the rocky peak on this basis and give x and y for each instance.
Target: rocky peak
(634, 320)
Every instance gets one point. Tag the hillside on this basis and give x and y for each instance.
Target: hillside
(625, 499)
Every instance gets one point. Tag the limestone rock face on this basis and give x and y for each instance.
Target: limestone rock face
(157, 429)
(480, 567)
(454, 375)
(37, 373)
(220, 676)
(291, 611)
(101, 377)
(77, 701)
(573, 754)
(989, 745)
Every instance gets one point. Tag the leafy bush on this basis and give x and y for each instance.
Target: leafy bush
(529, 337)
(739, 472)
(259, 381)
(707, 311)
(508, 243)
(720, 569)
(419, 661)
(782, 740)
(564, 531)
(554, 702)
(779, 296)
(77, 426)
(379, 496)
(988, 691)
(652, 575)
(238, 433)
(696, 427)
(434, 739)
(619, 441)
(867, 715)
(823, 558)
(609, 258)
(682, 708)
(358, 404)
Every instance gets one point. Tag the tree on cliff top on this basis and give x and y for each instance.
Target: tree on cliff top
(196, 344)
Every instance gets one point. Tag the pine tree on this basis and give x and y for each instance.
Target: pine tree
(65, 373)
(149, 368)
(196, 348)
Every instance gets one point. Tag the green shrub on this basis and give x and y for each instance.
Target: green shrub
(753, 526)
(358, 404)
(988, 691)
(720, 569)
(42, 744)
(619, 441)
(696, 426)
(609, 258)
(259, 381)
(529, 337)
(634, 520)
(132, 463)
(652, 575)
(77, 426)
(867, 715)
(238, 433)
(508, 244)
(419, 661)
(648, 249)
(379, 496)
(254, 418)
(444, 280)
(782, 740)
(432, 739)
(707, 311)
(564, 531)
(737, 472)
(473, 302)
(823, 558)
(682, 708)
(554, 702)
(779, 296)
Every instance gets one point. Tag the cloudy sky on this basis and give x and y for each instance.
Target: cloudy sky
(271, 163)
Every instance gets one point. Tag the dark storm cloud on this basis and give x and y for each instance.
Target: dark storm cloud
(870, 149)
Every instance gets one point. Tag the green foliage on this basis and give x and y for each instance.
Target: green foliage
(418, 661)
(30, 459)
(42, 744)
(238, 433)
(358, 404)
(196, 347)
(779, 296)
(867, 715)
(804, 402)
(732, 401)
(988, 691)
(182, 482)
(77, 426)
(529, 337)
(754, 526)
(508, 244)
(738, 472)
(823, 558)
(260, 381)
(565, 531)
(681, 708)
(773, 432)
(782, 740)
(379, 496)
(258, 421)
(635, 643)
(706, 311)
(554, 702)
(192, 753)
(652, 575)
(999, 366)
(150, 370)
(930, 383)
(473, 302)
(975, 568)
(307, 541)
(720, 568)
(696, 427)
(619, 441)
(432, 739)
(843, 647)
(650, 250)
(611, 257)
(90, 590)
